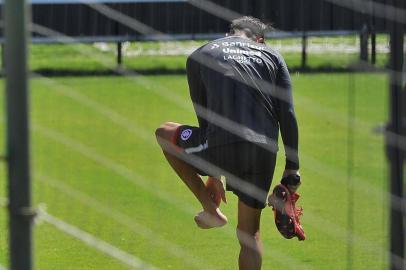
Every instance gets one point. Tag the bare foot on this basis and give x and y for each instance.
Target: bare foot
(206, 220)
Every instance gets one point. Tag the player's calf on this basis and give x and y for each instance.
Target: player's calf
(251, 250)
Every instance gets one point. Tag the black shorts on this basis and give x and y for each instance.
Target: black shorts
(247, 167)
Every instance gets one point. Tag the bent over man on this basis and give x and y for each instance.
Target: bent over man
(241, 92)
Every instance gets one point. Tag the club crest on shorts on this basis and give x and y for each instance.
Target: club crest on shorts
(185, 135)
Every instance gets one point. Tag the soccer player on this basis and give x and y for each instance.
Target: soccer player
(241, 92)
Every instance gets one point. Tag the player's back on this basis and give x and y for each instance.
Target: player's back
(238, 76)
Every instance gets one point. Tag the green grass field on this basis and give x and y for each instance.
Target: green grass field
(96, 166)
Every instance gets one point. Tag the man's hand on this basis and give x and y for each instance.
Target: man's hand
(215, 188)
(287, 177)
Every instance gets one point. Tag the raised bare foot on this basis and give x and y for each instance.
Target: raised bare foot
(208, 220)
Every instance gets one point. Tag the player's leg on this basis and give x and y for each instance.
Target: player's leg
(248, 234)
(256, 170)
(212, 216)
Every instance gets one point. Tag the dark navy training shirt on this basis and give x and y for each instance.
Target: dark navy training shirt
(241, 91)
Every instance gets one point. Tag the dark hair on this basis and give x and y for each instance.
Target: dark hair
(250, 26)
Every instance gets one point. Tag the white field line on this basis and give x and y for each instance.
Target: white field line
(153, 237)
(92, 241)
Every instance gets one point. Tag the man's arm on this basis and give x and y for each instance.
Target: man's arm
(197, 89)
(287, 119)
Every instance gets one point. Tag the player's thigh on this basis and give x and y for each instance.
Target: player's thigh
(252, 169)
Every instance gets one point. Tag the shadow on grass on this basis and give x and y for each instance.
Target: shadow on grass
(355, 67)
(107, 72)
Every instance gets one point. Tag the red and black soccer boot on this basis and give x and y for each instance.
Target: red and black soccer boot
(287, 216)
